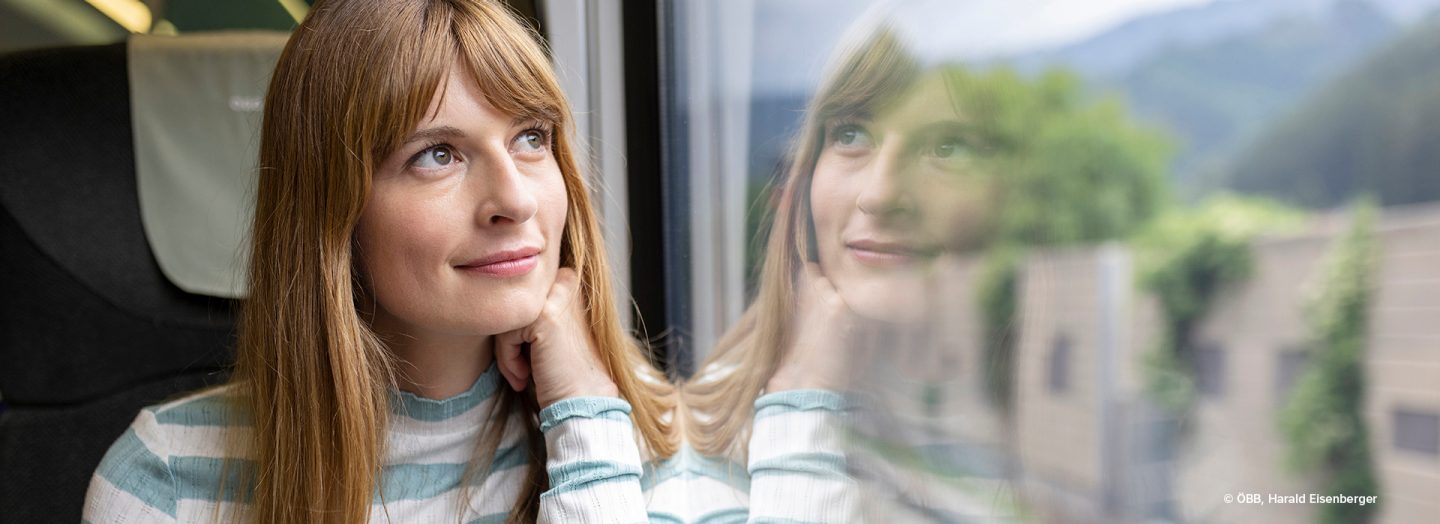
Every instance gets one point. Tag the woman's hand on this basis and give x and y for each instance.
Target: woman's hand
(562, 358)
(821, 341)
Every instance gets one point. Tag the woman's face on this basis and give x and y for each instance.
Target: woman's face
(462, 230)
(892, 192)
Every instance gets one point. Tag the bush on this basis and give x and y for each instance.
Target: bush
(1186, 259)
(1324, 419)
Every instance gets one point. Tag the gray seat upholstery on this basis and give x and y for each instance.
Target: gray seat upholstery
(90, 328)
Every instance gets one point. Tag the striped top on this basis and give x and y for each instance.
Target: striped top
(167, 466)
(795, 470)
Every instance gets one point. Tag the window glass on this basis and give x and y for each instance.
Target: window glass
(1183, 182)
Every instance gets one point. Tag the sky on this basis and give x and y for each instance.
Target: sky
(980, 28)
(800, 33)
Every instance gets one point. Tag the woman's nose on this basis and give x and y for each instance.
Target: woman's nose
(506, 195)
(886, 191)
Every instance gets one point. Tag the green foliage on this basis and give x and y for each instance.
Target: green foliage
(1169, 379)
(1074, 170)
(997, 294)
(1324, 421)
(1186, 259)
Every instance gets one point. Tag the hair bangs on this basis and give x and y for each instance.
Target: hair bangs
(402, 66)
(870, 77)
(407, 72)
(514, 74)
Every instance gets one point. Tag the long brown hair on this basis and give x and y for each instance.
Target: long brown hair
(352, 81)
(717, 404)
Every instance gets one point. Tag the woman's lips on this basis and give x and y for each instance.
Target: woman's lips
(507, 268)
(505, 264)
(880, 254)
(880, 259)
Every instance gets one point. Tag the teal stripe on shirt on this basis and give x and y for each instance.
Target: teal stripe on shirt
(659, 517)
(198, 478)
(725, 516)
(132, 468)
(816, 464)
(433, 410)
(688, 463)
(493, 518)
(582, 473)
(609, 408)
(423, 481)
(799, 400)
(418, 481)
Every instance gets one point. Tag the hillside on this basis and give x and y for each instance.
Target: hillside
(1374, 129)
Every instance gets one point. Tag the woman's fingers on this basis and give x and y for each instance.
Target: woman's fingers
(510, 356)
(821, 303)
(511, 359)
(816, 354)
(564, 361)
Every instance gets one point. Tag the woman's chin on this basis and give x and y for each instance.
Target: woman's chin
(514, 312)
(894, 300)
(513, 319)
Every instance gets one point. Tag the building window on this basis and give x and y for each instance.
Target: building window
(1290, 364)
(1059, 364)
(1210, 371)
(1417, 431)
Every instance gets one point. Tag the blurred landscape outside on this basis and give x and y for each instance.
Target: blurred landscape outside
(1219, 274)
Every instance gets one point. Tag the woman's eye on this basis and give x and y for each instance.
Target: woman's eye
(946, 149)
(434, 157)
(951, 153)
(852, 136)
(533, 140)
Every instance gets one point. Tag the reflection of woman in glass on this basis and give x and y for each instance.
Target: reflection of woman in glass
(887, 179)
(421, 231)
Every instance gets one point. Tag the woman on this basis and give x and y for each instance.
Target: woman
(888, 182)
(421, 232)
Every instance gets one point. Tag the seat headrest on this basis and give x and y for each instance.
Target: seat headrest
(85, 310)
(195, 113)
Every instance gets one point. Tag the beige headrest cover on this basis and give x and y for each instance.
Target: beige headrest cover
(195, 110)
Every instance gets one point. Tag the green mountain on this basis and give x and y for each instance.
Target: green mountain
(1373, 129)
(1217, 97)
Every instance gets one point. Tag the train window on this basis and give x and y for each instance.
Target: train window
(732, 80)
(1220, 156)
